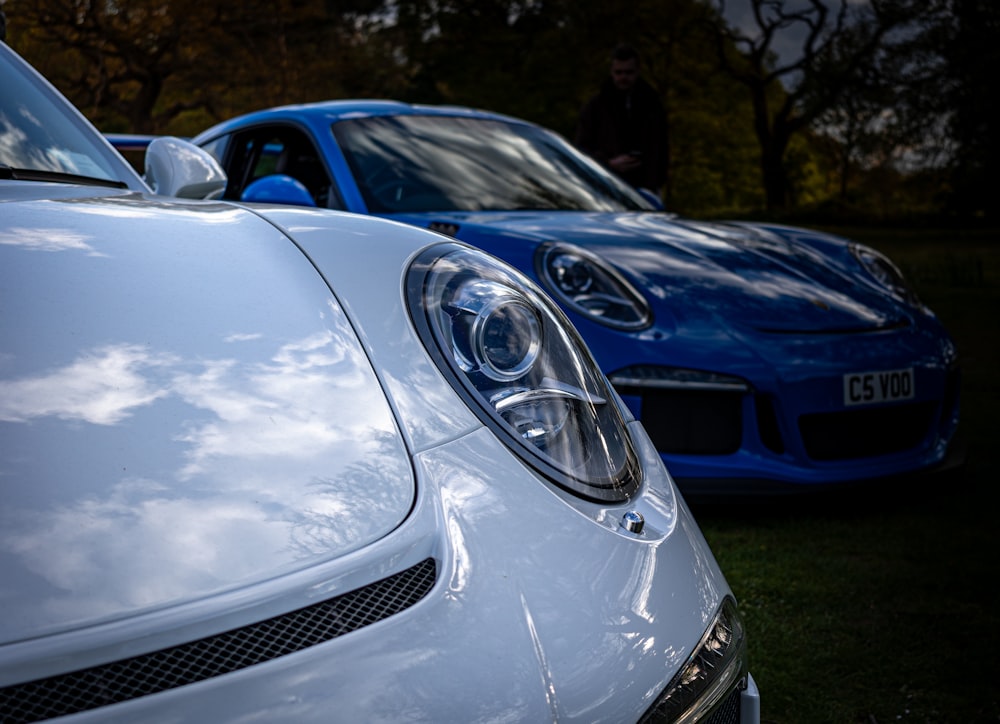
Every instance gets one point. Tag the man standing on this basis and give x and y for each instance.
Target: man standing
(624, 125)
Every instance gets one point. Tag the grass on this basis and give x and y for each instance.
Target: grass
(879, 608)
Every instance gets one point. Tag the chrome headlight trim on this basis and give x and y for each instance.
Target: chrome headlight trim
(592, 287)
(676, 378)
(713, 670)
(884, 272)
(510, 352)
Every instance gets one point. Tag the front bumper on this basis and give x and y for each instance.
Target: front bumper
(542, 608)
(786, 426)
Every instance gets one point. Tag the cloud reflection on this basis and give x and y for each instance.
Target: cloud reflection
(287, 407)
(102, 387)
(157, 546)
(237, 469)
(51, 239)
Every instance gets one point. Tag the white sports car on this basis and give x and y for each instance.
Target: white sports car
(292, 465)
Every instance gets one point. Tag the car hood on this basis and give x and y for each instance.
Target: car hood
(184, 410)
(737, 275)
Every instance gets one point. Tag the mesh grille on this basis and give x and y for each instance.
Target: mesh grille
(729, 711)
(726, 711)
(864, 433)
(198, 660)
(692, 422)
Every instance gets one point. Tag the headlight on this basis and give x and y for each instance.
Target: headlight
(523, 368)
(592, 287)
(714, 672)
(883, 271)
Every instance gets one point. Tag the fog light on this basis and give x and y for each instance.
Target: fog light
(715, 668)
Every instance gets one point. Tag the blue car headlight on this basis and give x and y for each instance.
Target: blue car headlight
(515, 358)
(879, 267)
(592, 287)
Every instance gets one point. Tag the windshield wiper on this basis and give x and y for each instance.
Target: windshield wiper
(30, 174)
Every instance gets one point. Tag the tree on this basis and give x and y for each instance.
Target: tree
(838, 43)
(711, 148)
(111, 59)
(973, 56)
(141, 65)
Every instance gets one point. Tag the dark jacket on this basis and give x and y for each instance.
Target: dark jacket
(615, 122)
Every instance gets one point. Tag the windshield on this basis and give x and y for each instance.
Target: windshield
(443, 163)
(40, 133)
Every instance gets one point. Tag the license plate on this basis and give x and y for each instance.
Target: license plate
(869, 388)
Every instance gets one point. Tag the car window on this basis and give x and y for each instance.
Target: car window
(260, 152)
(443, 163)
(40, 134)
(217, 148)
(267, 159)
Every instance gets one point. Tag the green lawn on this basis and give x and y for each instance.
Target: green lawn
(880, 609)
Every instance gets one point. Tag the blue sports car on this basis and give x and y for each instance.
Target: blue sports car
(760, 358)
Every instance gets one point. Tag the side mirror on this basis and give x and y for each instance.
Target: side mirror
(175, 167)
(278, 189)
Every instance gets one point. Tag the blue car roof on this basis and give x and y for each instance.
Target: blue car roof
(337, 110)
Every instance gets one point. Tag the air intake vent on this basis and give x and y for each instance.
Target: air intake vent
(199, 660)
(864, 433)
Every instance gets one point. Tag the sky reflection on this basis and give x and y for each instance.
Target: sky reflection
(100, 387)
(47, 239)
(238, 468)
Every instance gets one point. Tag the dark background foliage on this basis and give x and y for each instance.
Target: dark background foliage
(876, 110)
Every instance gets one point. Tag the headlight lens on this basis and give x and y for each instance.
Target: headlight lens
(523, 368)
(714, 669)
(497, 331)
(592, 287)
(883, 271)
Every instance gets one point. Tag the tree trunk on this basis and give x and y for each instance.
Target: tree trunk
(775, 180)
(773, 136)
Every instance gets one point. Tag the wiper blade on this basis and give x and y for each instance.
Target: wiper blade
(30, 174)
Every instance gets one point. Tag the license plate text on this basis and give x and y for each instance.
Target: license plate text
(868, 388)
